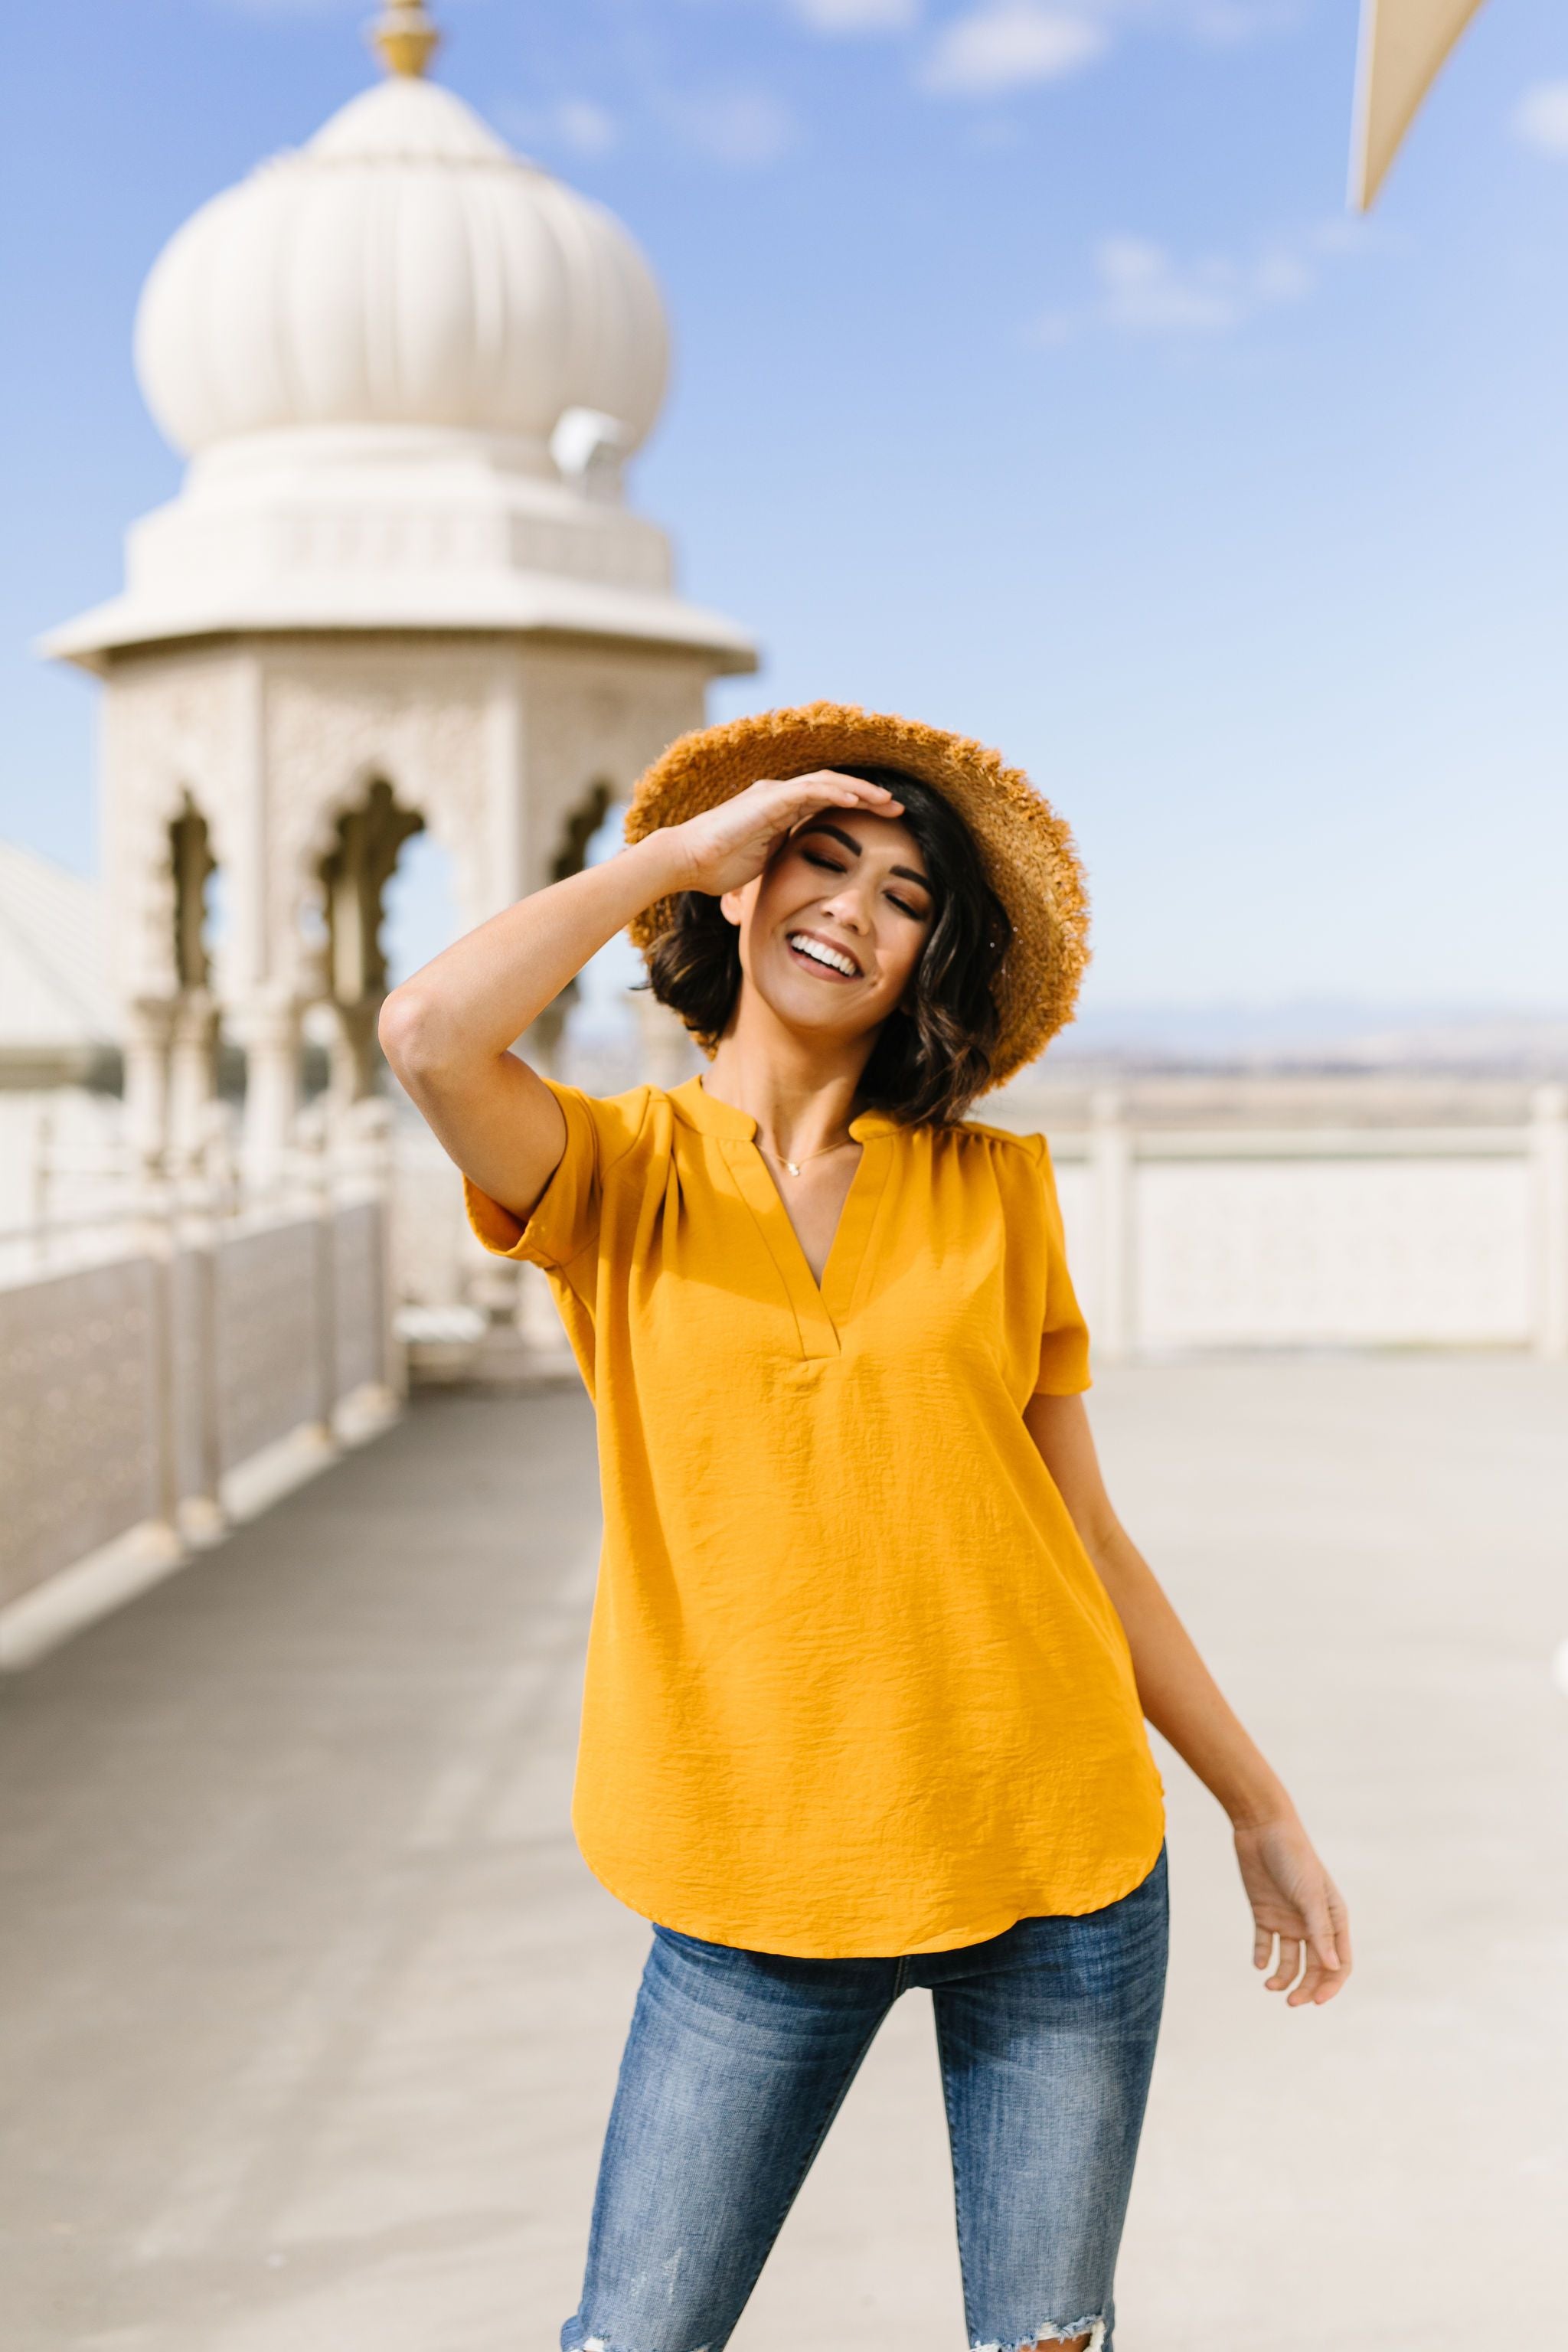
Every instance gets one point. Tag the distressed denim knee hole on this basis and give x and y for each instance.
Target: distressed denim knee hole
(1091, 2329)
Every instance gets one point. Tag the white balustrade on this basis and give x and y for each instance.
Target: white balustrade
(157, 1343)
(1356, 1236)
(168, 1349)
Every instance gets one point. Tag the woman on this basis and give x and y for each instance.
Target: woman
(871, 1653)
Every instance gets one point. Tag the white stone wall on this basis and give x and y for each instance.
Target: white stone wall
(137, 1388)
(1305, 1238)
(1382, 1237)
(145, 1363)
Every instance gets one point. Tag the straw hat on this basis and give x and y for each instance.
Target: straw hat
(1026, 848)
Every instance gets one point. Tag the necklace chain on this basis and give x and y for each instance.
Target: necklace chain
(795, 1166)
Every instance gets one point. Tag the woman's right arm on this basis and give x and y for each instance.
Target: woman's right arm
(449, 1031)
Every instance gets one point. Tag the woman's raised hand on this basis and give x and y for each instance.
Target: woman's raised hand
(1293, 1898)
(727, 847)
(448, 1031)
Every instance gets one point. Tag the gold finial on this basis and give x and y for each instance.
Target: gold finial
(407, 36)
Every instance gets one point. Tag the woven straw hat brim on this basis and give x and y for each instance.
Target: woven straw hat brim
(1027, 849)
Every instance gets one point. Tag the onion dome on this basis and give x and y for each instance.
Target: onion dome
(402, 269)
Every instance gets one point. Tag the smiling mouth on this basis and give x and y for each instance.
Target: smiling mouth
(833, 963)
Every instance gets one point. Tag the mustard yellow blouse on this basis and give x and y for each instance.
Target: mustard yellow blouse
(853, 1686)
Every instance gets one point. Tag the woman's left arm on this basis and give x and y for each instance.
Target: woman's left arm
(1291, 1895)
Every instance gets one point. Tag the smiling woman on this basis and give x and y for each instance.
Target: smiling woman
(871, 1654)
(919, 908)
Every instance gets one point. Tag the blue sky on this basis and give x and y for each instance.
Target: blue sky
(1030, 377)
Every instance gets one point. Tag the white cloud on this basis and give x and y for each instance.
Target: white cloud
(1230, 24)
(1144, 291)
(586, 127)
(745, 129)
(846, 17)
(996, 46)
(579, 126)
(1140, 289)
(281, 7)
(1004, 44)
(740, 128)
(1540, 118)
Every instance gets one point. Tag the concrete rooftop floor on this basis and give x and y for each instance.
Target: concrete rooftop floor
(310, 2012)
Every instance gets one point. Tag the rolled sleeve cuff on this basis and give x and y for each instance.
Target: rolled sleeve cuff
(1063, 1363)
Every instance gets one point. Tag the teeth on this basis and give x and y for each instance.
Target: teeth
(829, 956)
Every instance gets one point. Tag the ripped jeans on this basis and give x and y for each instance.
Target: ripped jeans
(738, 2061)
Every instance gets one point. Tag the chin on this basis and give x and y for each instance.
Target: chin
(798, 1006)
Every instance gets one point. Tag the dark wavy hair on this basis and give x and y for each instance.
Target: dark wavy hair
(933, 1054)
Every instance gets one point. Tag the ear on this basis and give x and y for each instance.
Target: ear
(731, 908)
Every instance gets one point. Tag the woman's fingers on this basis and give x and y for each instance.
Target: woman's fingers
(1319, 1982)
(732, 842)
(1306, 1989)
(1328, 1945)
(1294, 1900)
(1320, 1931)
(825, 785)
(1290, 1966)
(1315, 1957)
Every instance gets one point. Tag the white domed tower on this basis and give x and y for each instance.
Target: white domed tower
(399, 587)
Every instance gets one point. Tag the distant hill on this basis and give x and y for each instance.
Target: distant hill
(1308, 1035)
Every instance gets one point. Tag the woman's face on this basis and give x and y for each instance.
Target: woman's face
(832, 928)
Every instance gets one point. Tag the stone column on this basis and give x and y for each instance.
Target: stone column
(192, 1077)
(149, 1025)
(351, 1054)
(268, 1027)
(1549, 1151)
(1110, 1151)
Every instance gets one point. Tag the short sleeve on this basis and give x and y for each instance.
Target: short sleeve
(564, 1223)
(1064, 1337)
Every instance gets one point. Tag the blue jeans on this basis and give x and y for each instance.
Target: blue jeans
(738, 2061)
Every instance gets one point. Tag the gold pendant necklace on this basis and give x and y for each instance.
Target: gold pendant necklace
(795, 1166)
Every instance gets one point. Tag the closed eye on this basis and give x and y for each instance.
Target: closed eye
(833, 866)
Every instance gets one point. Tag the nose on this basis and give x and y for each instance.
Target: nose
(848, 904)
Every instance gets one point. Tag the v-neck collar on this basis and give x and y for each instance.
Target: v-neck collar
(821, 1311)
(705, 1111)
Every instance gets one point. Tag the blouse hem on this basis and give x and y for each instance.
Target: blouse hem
(707, 1931)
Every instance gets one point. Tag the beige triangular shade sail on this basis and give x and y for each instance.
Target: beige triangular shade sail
(1402, 44)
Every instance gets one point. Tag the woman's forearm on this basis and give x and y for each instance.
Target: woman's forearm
(1293, 1899)
(470, 1003)
(1179, 1696)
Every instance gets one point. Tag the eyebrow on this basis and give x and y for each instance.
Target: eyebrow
(821, 824)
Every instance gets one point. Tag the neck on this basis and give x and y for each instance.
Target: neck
(801, 1096)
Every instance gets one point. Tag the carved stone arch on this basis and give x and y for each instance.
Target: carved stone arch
(193, 862)
(367, 841)
(173, 725)
(360, 835)
(414, 717)
(314, 840)
(456, 809)
(574, 825)
(447, 823)
(148, 875)
(581, 822)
